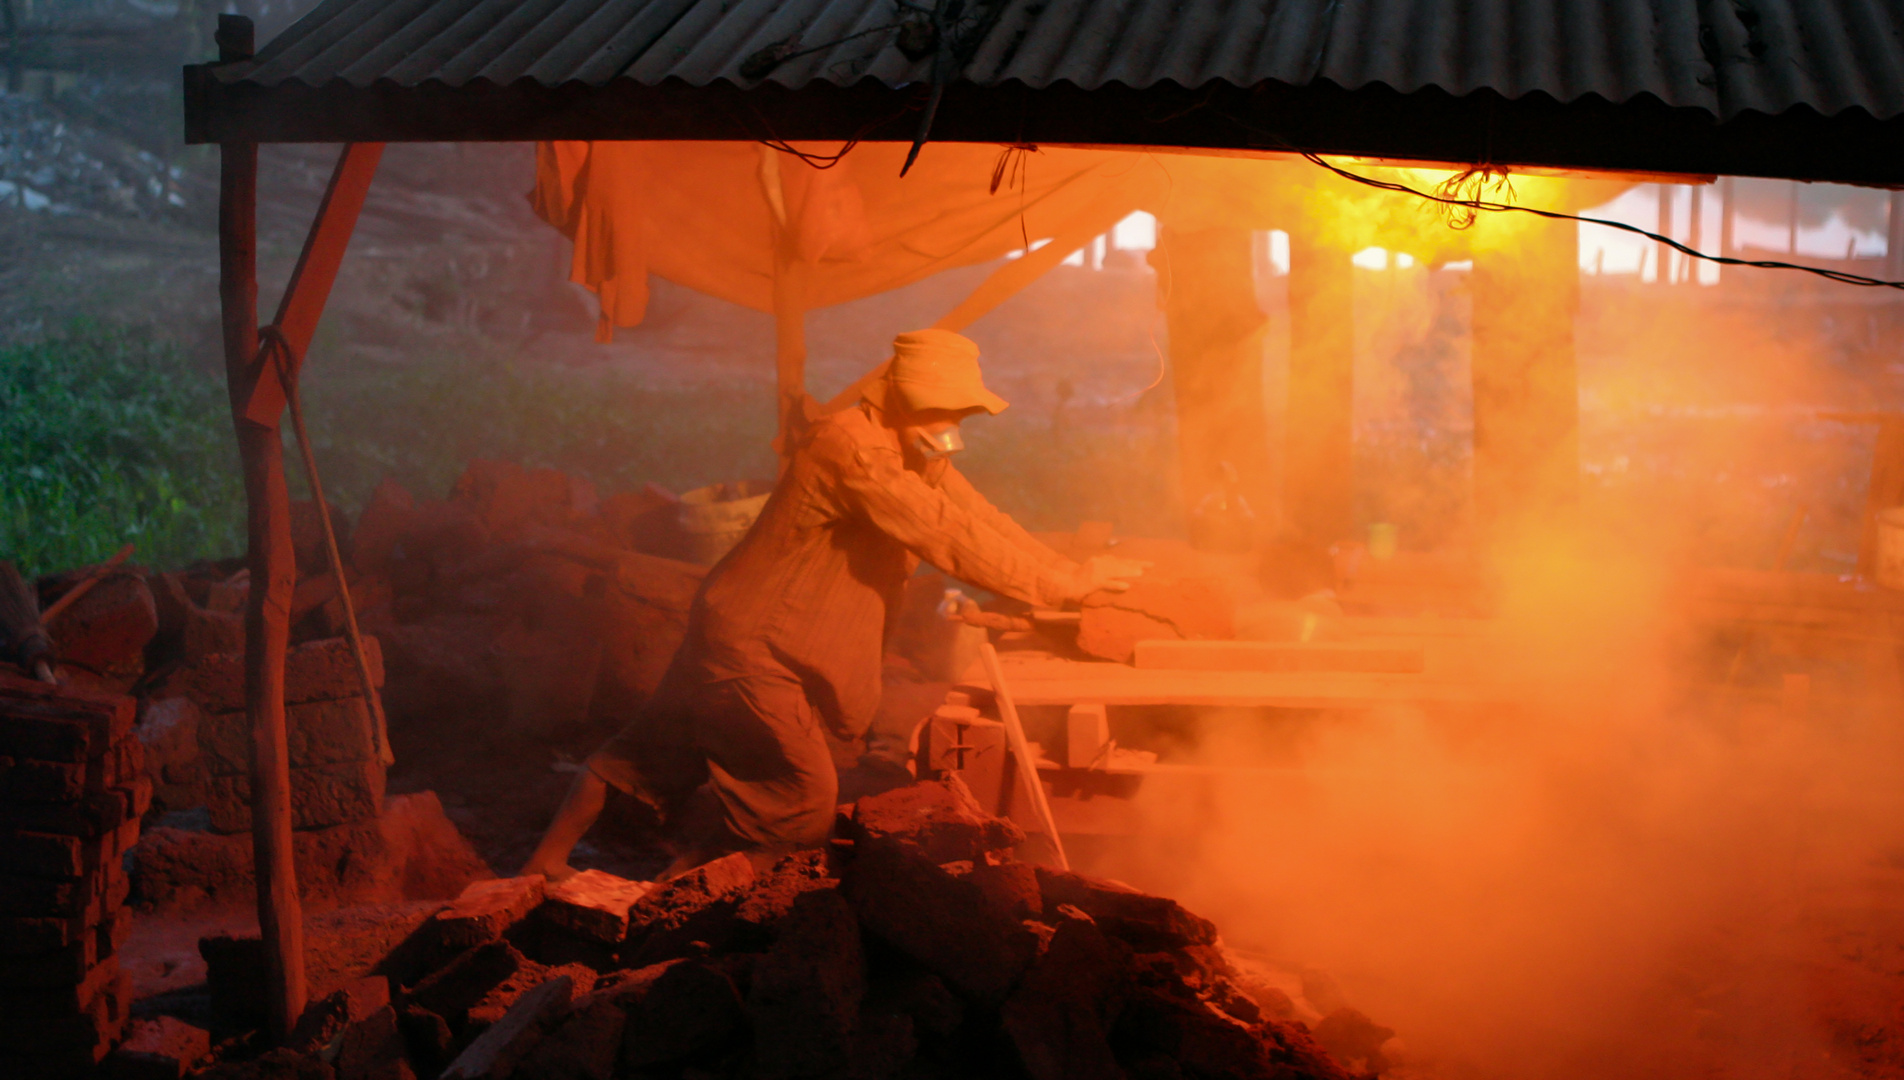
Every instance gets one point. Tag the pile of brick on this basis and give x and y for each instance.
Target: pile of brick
(335, 747)
(915, 946)
(71, 794)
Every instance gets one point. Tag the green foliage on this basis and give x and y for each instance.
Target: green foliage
(107, 437)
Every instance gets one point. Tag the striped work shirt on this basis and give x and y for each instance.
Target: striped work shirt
(813, 586)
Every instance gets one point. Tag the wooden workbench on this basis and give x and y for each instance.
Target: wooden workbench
(1455, 673)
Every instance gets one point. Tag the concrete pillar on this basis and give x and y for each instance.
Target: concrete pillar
(1526, 291)
(1319, 444)
(1206, 279)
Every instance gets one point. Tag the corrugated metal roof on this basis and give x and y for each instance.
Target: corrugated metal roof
(1725, 57)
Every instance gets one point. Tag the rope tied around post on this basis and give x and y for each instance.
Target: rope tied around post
(275, 350)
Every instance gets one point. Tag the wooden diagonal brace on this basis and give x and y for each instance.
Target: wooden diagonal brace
(316, 271)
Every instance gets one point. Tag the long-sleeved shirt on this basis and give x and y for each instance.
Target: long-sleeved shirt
(813, 585)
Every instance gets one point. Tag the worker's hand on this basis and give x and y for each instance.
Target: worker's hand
(1107, 573)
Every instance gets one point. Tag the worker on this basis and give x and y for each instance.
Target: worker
(785, 638)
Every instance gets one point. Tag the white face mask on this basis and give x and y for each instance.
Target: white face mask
(935, 445)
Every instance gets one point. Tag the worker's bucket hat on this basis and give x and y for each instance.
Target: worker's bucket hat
(938, 369)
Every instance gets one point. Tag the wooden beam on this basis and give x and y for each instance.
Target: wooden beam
(316, 272)
(1207, 283)
(1319, 428)
(1006, 281)
(1526, 290)
(273, 571)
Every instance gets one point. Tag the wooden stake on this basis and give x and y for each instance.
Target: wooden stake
(1021, 750)
(273, 571)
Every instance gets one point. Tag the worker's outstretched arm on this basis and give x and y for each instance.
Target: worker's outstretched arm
(960, 490)
(577, 815)
(944, 533)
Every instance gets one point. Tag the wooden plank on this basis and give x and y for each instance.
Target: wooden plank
(316, 272)
(1021, 749)
(1047, 681)
(1279, 656)
(273, 573)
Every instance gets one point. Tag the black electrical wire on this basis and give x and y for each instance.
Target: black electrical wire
(1477, 204)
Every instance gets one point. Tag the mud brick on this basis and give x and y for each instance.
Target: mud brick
(465, 981)
(89, 899)
(68, 966)
(47, 855)
(316, 733)
(35, 780)
(26, 936)
(584, 1047)
(1148, 923)
(938, 820)
(112, 932)
(60, 1001)
(163, 1048)
(93, 813)
(321, 796)
(59, 723)
(315, 671)
(87, 1027)
(496, 1051)
(945, 923)
(699, 905)
(805, 995)
(486, 909)
(593, 904)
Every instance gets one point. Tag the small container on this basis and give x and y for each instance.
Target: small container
(714, 518)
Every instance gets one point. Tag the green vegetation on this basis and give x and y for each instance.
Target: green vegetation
(107, 436)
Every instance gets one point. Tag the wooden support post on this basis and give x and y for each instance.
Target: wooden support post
(790, 351)
(273, 572)
(1319, 455)
(1207, 280)
(1526, 383)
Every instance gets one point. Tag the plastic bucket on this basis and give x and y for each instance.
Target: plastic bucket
(714, 518)
(1891, 548)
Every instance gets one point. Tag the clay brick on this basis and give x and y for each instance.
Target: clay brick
(806, 992)
(593, 904)
(463, 983)
(321, 796)
(1011, 887)
(938, 820)
(107, 629)
(47, 855)
(494, 1054)
(59, 723)
(1148, 923)
(316, 733)
(94, 812)
(504, 995)
(162, 1048)
(372, 1049)
(67, 966)
(98, 1021)
(315, 671)
(687, 1009)
(1060, 1016)
(60, 1001)
(486, 909)
(943, 922)
(697, 906)
(90, 898)
(772, 897)
(584, 1047)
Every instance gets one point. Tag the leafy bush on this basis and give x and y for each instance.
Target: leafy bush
(107, 437)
